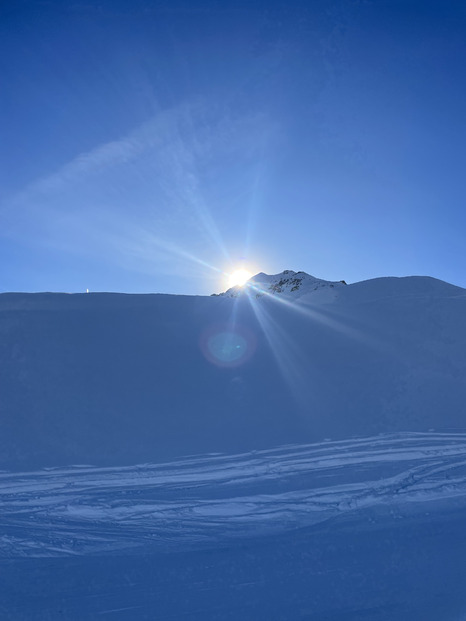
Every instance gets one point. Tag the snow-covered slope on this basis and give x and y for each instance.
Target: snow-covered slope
(121, 379)
(279, 454)
(287, 284)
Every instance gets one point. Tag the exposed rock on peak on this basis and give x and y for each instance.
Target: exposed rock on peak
(287, 283)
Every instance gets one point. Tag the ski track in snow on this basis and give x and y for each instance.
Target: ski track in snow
(204, 500)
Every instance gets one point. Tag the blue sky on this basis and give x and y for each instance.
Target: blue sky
(153, 146)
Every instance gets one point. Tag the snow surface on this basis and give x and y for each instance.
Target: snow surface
(209, 500)
(111, 379)
(274, 453)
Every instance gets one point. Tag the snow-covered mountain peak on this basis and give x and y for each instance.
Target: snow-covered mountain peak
(287, 283)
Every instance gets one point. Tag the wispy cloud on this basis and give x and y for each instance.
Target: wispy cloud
(141, 200)
(152, 134)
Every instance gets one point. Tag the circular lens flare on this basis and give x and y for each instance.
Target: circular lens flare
(238, 278)
(227, 346)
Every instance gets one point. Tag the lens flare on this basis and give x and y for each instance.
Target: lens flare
(228, 346)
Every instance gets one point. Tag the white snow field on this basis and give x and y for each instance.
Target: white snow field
(292, 450)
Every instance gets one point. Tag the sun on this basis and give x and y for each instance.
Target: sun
(238, 278)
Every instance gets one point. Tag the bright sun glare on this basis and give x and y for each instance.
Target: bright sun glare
(238, 278)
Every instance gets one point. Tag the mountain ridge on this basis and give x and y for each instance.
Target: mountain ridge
(287, 283)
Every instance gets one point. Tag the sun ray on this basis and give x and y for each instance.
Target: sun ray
(308, 311)
(286, 353)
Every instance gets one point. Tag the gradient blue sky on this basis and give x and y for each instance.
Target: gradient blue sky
(152, 145)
